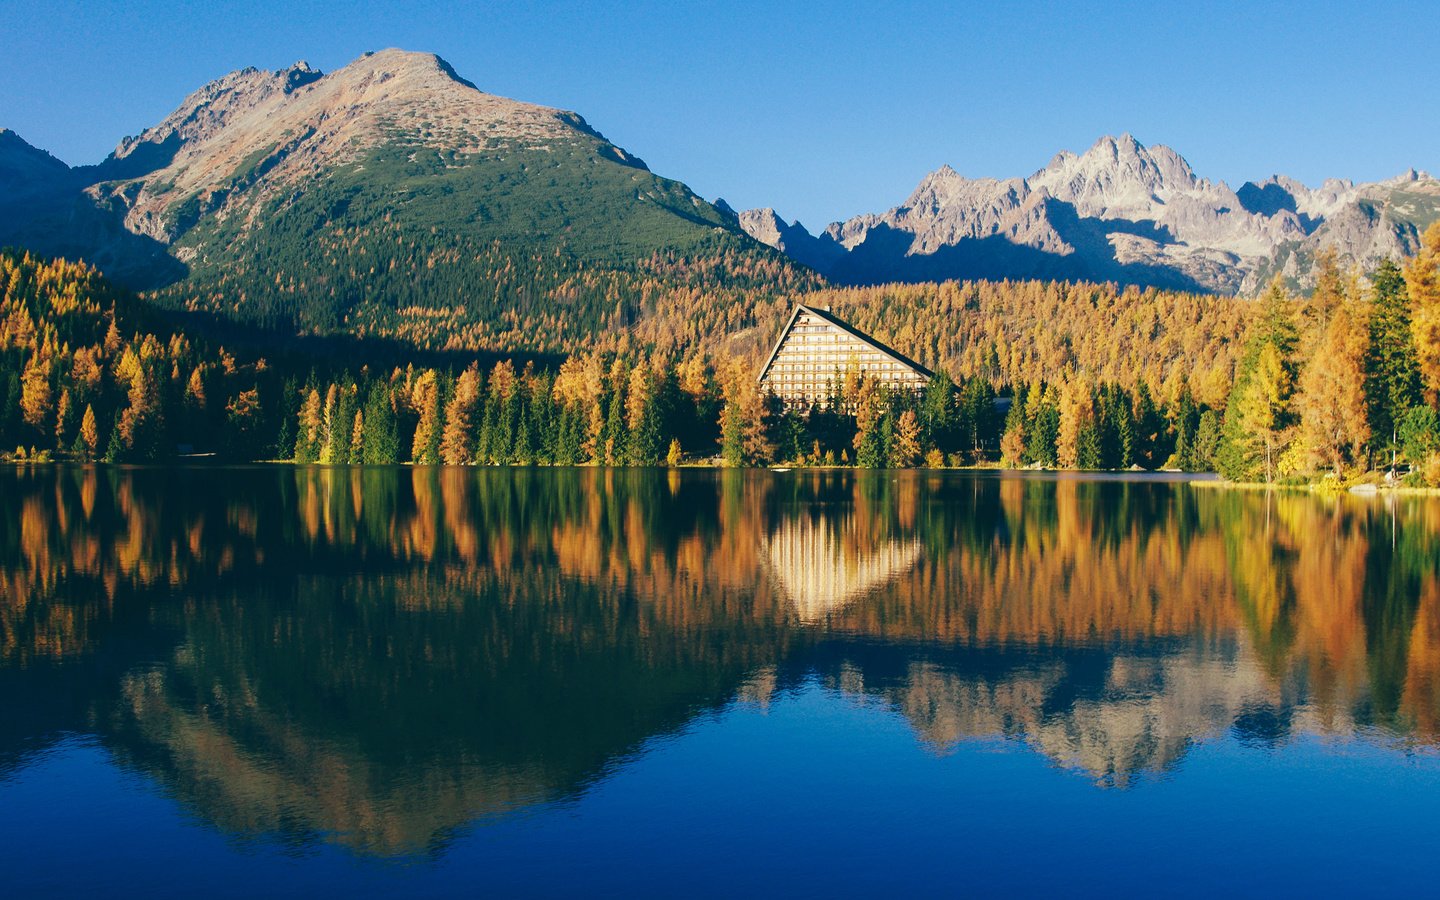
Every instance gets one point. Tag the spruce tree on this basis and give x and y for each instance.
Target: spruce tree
(1392, 372)
(381, 441)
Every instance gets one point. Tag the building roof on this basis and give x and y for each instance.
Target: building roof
(847, 328)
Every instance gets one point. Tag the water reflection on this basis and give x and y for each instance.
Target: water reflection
(822, 565)
(379, 658)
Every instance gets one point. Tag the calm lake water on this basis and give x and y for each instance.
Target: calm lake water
(398, 682)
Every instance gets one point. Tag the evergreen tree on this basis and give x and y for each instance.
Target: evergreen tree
(1419, 434)
(1260, 414)
(1257, 413)
(732, 434)
(1392, 372)
(1207, 441)
(1152, 444)
(1045, 430)
(381, 440)
(613, 437)
(938, 412)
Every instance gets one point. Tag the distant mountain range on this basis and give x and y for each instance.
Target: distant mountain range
(393, 197)
(1121, 211)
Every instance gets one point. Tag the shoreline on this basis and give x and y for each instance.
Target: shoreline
(1209, 480)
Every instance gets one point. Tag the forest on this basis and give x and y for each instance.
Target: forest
(1337, 383)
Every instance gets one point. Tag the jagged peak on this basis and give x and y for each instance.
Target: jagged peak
(1121, 160)
(1125, 141)
(299, 75)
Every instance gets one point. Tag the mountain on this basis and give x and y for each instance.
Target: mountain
(1120, 211)
(391, 197)
(27, 171)
(792, 238)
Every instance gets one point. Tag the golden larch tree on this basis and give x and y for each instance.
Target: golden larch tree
(456, 443)
(1422, 279)
(1334, 420)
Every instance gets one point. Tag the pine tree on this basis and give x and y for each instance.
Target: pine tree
(937, 412)
(381, 441)
(1045, 430)
(328, 424)
(1419, 434)
(614, 434)
(1152, 436)
(195, 390)
(1392, 372)
(342, 425)
(64, 416)
(1257, 413)
(1207, 441)
(732, 434)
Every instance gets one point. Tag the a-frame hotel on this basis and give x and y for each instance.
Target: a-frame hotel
(816, 348)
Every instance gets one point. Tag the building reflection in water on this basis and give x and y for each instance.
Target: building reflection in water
(380, 657)
(820, 568)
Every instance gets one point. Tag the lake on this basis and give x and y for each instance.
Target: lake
(419, 682)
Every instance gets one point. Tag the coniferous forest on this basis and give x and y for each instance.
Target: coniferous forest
(1342, 381)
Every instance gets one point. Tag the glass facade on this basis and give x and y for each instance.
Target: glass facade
(816, 352)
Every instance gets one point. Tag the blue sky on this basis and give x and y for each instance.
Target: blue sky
(821, 110)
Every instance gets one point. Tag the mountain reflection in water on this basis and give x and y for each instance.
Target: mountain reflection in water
(377, 657)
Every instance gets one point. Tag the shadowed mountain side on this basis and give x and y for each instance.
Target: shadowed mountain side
(44, 208)
(70, 225)
(885, 256)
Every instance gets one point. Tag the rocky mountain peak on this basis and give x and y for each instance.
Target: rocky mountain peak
(1126, 212)
(1118, 177)
(252, 135)
(299, 75)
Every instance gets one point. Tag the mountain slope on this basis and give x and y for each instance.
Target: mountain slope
(393, 197)
(1125, 212)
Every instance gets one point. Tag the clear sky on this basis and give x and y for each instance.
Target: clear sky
(821, 110)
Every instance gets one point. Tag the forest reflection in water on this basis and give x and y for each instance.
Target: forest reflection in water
(377, 657)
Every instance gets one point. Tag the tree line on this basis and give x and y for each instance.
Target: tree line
(1340, 381)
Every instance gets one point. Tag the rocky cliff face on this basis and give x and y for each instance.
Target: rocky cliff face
(792, 239)
(1121, 211)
